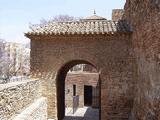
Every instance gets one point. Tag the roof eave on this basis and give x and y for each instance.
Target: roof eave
(32, 35)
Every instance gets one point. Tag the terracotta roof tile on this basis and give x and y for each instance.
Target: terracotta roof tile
(81, 27)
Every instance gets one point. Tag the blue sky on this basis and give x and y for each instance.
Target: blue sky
(15, 15)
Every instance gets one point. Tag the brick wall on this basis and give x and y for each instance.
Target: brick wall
(144, 16)
(81, 79)
(52, 56)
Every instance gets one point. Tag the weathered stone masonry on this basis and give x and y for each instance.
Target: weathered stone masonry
(14, 97)
(144, 16)
(35, 111)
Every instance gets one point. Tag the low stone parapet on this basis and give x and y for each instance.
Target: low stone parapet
(36, 111)
(16, 96)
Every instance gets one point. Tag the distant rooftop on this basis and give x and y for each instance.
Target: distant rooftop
(94, 17)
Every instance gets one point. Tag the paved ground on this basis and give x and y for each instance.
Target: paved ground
(86, 113)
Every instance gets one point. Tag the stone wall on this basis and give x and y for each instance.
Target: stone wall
(36, 111)
(81, 79)
(16, 96)
(144, 16)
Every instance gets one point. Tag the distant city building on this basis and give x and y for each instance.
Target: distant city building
(17, 55)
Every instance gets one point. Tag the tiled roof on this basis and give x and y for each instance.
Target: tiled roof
(80, 27)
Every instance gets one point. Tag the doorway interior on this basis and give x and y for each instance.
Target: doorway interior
(87, 95)
(73, 89)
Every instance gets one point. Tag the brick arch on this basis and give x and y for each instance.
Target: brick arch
(110, 54)
(60, 83)
(67, 65)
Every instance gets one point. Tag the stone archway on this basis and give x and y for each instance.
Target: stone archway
(108, 47)
(60, 83)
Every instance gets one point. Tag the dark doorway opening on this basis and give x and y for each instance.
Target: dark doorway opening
(87, 95)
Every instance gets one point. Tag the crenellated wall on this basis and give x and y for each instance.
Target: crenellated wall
(144, 16)
(14, 97)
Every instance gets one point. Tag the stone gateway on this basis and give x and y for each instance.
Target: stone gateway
(124, 51)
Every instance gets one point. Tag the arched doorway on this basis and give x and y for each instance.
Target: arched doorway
(108, 46)
(87, 89)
